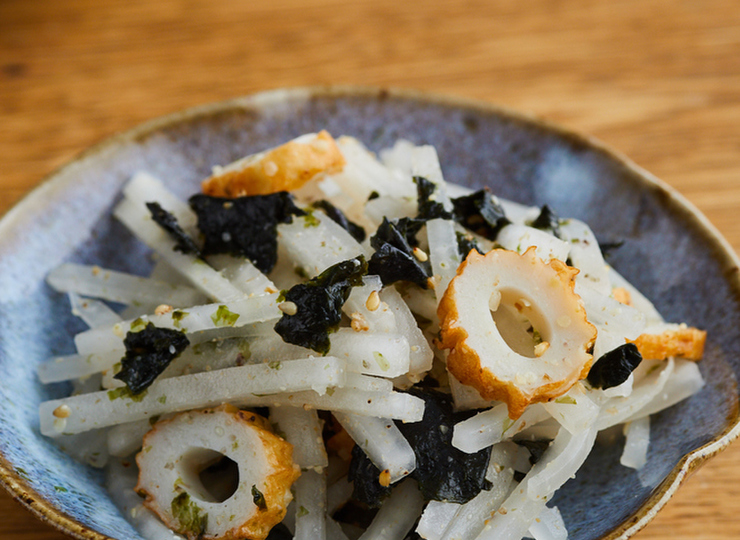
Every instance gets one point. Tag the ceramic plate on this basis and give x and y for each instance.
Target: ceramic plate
(670, 253)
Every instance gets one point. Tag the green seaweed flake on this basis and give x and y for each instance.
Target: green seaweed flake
(302, 512)
(177, 317)
(224, 317)
(258, 498)
(137, 325)
(382, 361)
(125, 392)
(188, 514)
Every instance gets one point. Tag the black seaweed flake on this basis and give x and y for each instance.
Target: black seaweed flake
(393, 259)
(365, 476)
(548, 220)
(480, 214)
(244, 226)
(535, 448)
(336, 215)
(466, 244)
(614, 367)
(443, 472)
(148, 353)
(163, 218)
(319, 305)
(258, 498)
(427, 207)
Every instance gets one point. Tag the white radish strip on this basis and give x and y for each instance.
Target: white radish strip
(194, 319)
(119, 286)
(420, 352)
(317, 243)
(64, 368)
(685, 381)
(310, 504)
(398, 513)
(639, 301)
(93, 312)
(243, 274)
(144, 188)
(201, 275)
(363, 169)
(120, 483)
(125, 439)
(101, 409)
(636, 443)
(466, 397)
(549, 525)
(334, 530)
(559, 463)
(575, 410)
(606, 313)
(338, 494)
(365, 382)
(618, 410)
(383, 443)
(90, 448)
(435, 519)
(383, 355)
(425, 162)
(471, 517)
(394, 405)
(489, 427)
(517, 213)
(391, 208)
(421, 302)
(302, 429)
(521, 237)
(585, 255)
(443, 253)
(360, 301)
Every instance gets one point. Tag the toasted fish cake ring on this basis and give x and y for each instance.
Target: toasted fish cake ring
(283, 168)
(524, 288)
(175, 452)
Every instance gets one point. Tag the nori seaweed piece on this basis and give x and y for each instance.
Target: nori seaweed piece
(163, 218)
(607, 246)
(319, 302)
(244, 226)
(480, 214)
(466, 244)
(443, 472)
(148, 353)
(336, 215)
(428, 208)
(393, 259)
(614, 367)
(548, 220)
(536, 448)
(364, 476)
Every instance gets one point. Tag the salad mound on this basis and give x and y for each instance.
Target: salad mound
(336, 345)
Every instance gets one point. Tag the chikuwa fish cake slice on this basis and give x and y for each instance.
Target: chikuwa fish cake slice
(515, 329)
(246, 502)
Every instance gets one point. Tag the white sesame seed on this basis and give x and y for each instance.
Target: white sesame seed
(289, 308)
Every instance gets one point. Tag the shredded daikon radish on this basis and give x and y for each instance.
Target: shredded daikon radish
(310, 503)
(383, 443)
(235, 385)
(302, 429)
(489, 427)
(119, 286)
(398, 513)
(94, 312)
(637, 440)
(548, 525)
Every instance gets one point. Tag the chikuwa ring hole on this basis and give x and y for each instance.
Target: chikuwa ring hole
(209, 475)
(520, 323)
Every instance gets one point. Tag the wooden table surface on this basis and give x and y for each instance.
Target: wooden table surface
(657, 80)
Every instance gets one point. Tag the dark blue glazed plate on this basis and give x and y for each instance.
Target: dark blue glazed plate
(671, 253)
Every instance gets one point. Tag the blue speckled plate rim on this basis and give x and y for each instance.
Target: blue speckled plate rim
(20, 489)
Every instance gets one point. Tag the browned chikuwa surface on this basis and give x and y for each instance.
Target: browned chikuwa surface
(658, 80)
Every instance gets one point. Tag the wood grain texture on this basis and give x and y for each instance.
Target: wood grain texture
(657, 80)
